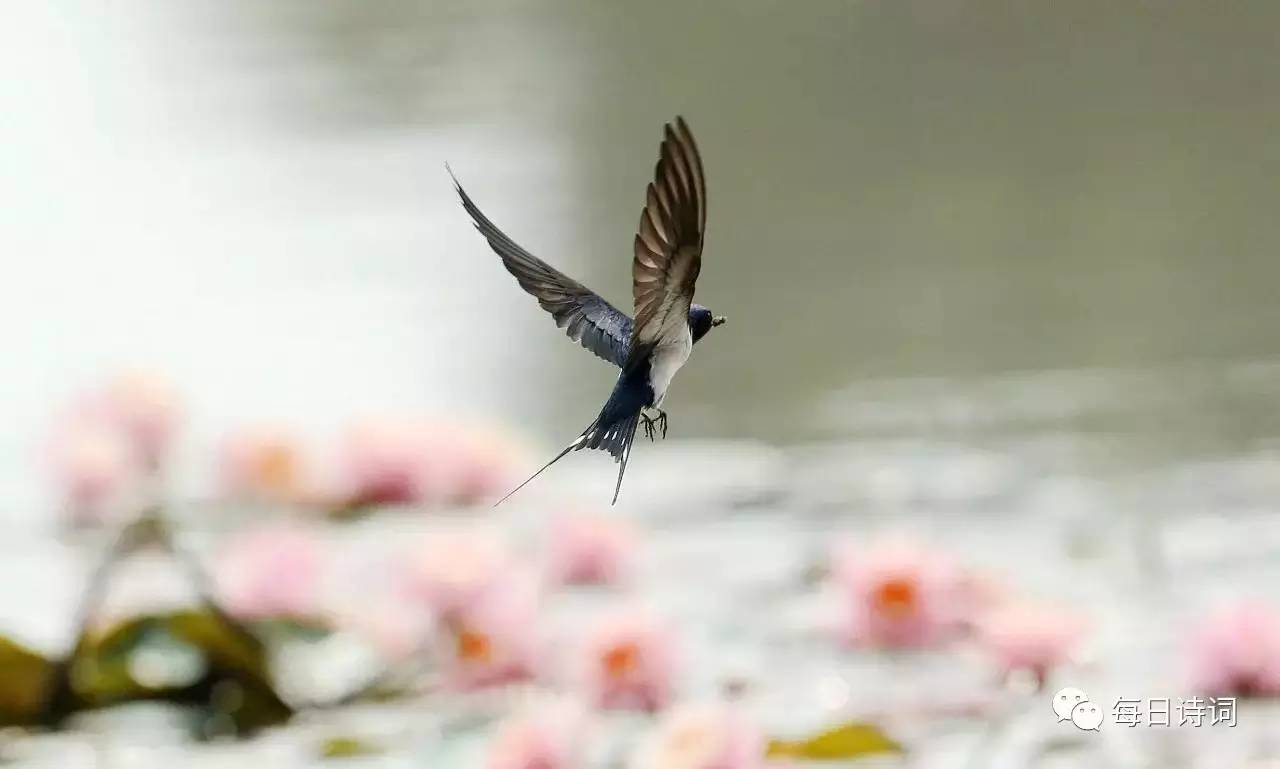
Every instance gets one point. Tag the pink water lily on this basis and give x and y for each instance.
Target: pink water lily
(703, 737)
(548, 736)
(145, 406)
(896, 593)
(585, 549)
(630, 661)
(263, 462)
(271, 571)
(97, 472)
(482, 463)
(389, 462)
(1032, 638)
(111, 443)
(1235, 650)
(493, 641)
(396, 631)
(451, 571)
(415, 461)
(484, 607)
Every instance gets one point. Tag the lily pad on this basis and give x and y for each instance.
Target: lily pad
(348, 747)
(231, 687)
(841, 743)
(24, 684)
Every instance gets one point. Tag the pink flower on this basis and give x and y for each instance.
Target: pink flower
(97, 471)
(484, 464)
(976, 595)
(396, 631)
(110, 441)
(145, 406)
(590, 550)
(271, 571)
(484, 610)
(1236, 651)
(492, 642)
(263, 463)
(550, 737)
(896, 594)
(714, 737)
(630, 663)
(1030, 638)
(375, 603)
(389, 462)
(414, 462)
(452, 571)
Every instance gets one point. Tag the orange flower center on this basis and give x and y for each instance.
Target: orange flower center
(621, 660)
(473, 646)
(896, 597)
(277, 468)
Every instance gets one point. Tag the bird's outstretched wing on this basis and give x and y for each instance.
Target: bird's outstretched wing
(584, 315)
(668, 244)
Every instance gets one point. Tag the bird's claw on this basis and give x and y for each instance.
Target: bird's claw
(652, 425)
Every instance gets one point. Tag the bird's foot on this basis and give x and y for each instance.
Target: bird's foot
(652, 425)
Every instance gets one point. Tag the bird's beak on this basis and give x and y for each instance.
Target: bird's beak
(718, 320)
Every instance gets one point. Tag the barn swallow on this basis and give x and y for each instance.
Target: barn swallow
(649, 350)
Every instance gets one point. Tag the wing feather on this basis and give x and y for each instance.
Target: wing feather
(585, 317)
(668, 243)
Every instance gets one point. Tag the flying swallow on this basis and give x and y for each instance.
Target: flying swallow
(649, 350)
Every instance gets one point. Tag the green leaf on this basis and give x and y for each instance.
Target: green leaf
(348, 747)
(841, 743)
(24, 684)
(234, 693)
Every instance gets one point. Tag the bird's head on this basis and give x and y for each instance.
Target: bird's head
(701, 321)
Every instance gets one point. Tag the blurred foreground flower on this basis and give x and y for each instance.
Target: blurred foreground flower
(396, 630)
(270, 572)
(896, 594)
(97, 472)
(453, 571)
(1030, 638)
(263, 463)
(110, 443)
(589, 550)
(372, 600)
(630, 663)
(145, 406)
(494, 640)
(388, 462)
(703, 737)
(484, 463)
(1236, 651)
(548, 737)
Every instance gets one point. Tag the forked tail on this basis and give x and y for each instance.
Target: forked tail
(618, 443)
(615, 438)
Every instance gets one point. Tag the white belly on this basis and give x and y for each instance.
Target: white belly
(666, 361)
